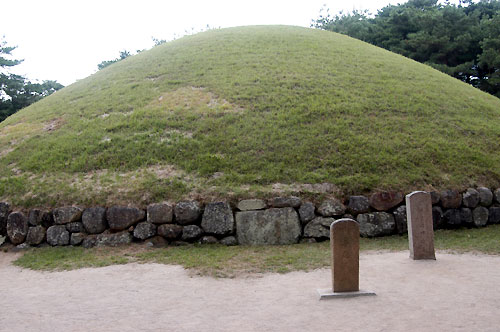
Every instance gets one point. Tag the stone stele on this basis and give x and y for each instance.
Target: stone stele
(420, 225)
(344, 242)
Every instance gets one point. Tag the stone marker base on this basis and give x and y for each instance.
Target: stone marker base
(325, 294)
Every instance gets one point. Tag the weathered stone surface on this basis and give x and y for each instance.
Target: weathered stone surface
(344, 242)
(57, 235)
(452, 218)
(208, 239)
(17, 227)
(480, 216)
(67, 214)
(485, 196)
(331, 207)
(470, 198)
(437, 217)
(280, 202)
(420, 226)
(358, 204)
(191, 233)
(36, 235)
(157, 242)
(435, 197)
(169, 231)
(161, 213)
(385, 200)
(144, 230)
(318, 228)
(466, 216)
(496, 195)
(107, 239)
(94, 220)
(75, 227)
(306, 212)
(38, 217)
(251, 204)
(400, 219)
(494, 215)
(187, 212)
(77, 238)
(272, 226)
(122, 217)
(218, 219)
(308, 240)
(4, 213)
(376, 224)
(451, 199)
(2, 240)
(229, 241)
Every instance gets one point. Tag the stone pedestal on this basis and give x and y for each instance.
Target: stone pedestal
(420, 225)
(344, 241)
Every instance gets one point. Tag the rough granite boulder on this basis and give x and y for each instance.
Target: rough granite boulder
(77, 238)
(187, 212)
(271, 226)
(67, 214)
(485, 196)
(480, 216)
(466, 216)
(38, 217)
(435, 197)
(94, 220)
(318, 228)
(358, 204)
(494, 215)
(496, 195)
(451, 199)
(376, 224)
(160, 213)
(144, 230)
(107, 239)
(208, 239)
(57, 235)
(75, 227)
(452, 218)
(191, 233)
(401, 219)
(122, 217)
(306, 212)
(170, 232)
(251, 204)
(280, 202)
(36, 235)
(437, 217)
(331, 207)
(17, 227)
(4, 213)
(470, 198)
(229, 241)
(218, 219)
(385, 200)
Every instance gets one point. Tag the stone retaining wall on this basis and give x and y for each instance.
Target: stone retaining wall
(280, 220)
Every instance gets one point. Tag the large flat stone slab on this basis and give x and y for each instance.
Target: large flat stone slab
(326, 294)
(272, 226)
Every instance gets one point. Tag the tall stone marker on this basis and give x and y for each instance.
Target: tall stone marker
(420, 225)
(344, 242)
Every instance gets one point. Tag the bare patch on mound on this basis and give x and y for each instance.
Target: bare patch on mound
(194, 99)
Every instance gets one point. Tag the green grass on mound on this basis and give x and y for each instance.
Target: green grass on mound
(232, 112)
(222, 261)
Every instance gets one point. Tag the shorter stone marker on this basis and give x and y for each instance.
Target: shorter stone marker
(420, 225)
(344, 242)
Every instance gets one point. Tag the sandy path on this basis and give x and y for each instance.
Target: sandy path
(454, 293)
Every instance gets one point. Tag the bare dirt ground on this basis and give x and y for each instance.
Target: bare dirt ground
(454, 293)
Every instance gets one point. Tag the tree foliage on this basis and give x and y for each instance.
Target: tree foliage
(123, 55)
(17, 92)
(461, 40)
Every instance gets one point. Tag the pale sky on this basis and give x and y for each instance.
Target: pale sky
(64, 40)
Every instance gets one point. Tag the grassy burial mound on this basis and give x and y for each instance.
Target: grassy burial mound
(242, 111)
